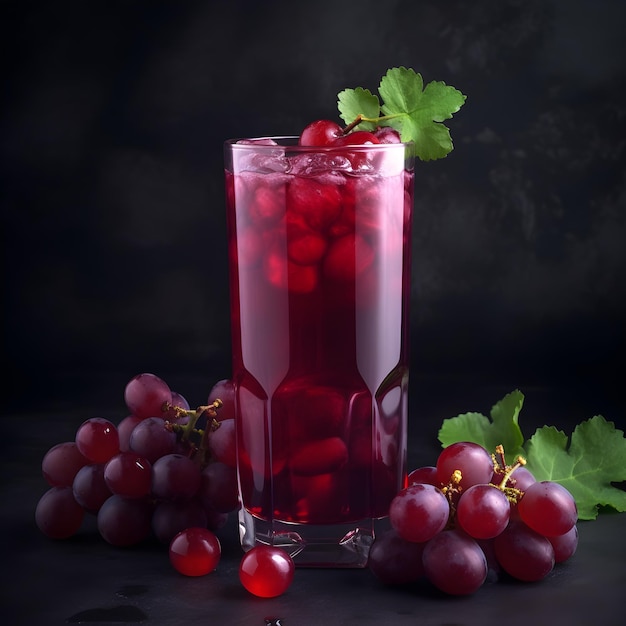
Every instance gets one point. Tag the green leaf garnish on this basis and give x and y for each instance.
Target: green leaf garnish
(357, 102)
(595, 459)
(502, 429)
(415, 111)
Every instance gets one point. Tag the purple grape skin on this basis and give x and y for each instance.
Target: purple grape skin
(565, 545)
(90, 488)
(483, 511)
(175, 477)
(57, 514)
(523, 553)
(151, 439)
(129, 475)
(455, 563)
(395, 561)
(170, 518)
(473, 461)
(222, 444)
(424, 475)
(146, 394)
(218, 491)
(225, 391)
(125, 429)
(548, 508)
(123, 522)
(418, 512)
(61, 463)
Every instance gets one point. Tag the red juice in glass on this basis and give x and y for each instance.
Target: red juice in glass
(319, 245)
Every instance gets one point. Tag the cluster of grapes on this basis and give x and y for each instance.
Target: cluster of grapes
(473, 517)
(162, 469)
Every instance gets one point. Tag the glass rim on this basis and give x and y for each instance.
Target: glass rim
(291, 142)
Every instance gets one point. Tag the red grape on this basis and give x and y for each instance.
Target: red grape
(170, 518)
(426, 475)
(523, 553)
(472, 460)
(222, 444)
(58, 515)
(61, 464)
(320, 133)
(179, 400)
(175, 477)
(145, 395)
(152, 439)
(356, 138)
(89, 487)
(129, 475)
(483, 511)
(125, 429)
(386, 134)
(548, 508)
(266, 571)
(419, 512)
(218, 488)
(123, 522)
(454, 563)
(225, 391)
(98, 439)
(195, 551)
(395, 561)
(565, 545)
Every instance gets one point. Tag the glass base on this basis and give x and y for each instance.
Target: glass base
(314, 545)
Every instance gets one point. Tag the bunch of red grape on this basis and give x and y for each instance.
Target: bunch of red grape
(472, 517)
(164, 471)
(161, 470)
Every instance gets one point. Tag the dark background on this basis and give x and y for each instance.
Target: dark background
(113, 231)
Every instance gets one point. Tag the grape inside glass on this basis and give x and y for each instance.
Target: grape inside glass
(319, 252)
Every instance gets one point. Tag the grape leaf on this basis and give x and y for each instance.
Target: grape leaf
(359, 101)
(596, 457)
(415, 111)
(503, 428)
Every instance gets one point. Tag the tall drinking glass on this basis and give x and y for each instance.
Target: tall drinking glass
(319, 252)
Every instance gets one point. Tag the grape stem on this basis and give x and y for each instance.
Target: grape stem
(374, 120)
(452, 489)
(499, 464)
(357, 120)
(189, 430)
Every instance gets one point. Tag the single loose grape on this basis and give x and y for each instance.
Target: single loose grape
(195, 551)
(266, 571)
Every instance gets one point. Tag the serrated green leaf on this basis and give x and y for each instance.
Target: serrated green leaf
(401, 90)
(596, 457)
(417, 112)
(359, 101)
(503, 428)
(464, 427)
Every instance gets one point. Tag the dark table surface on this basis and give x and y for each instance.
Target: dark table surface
(84, 580)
